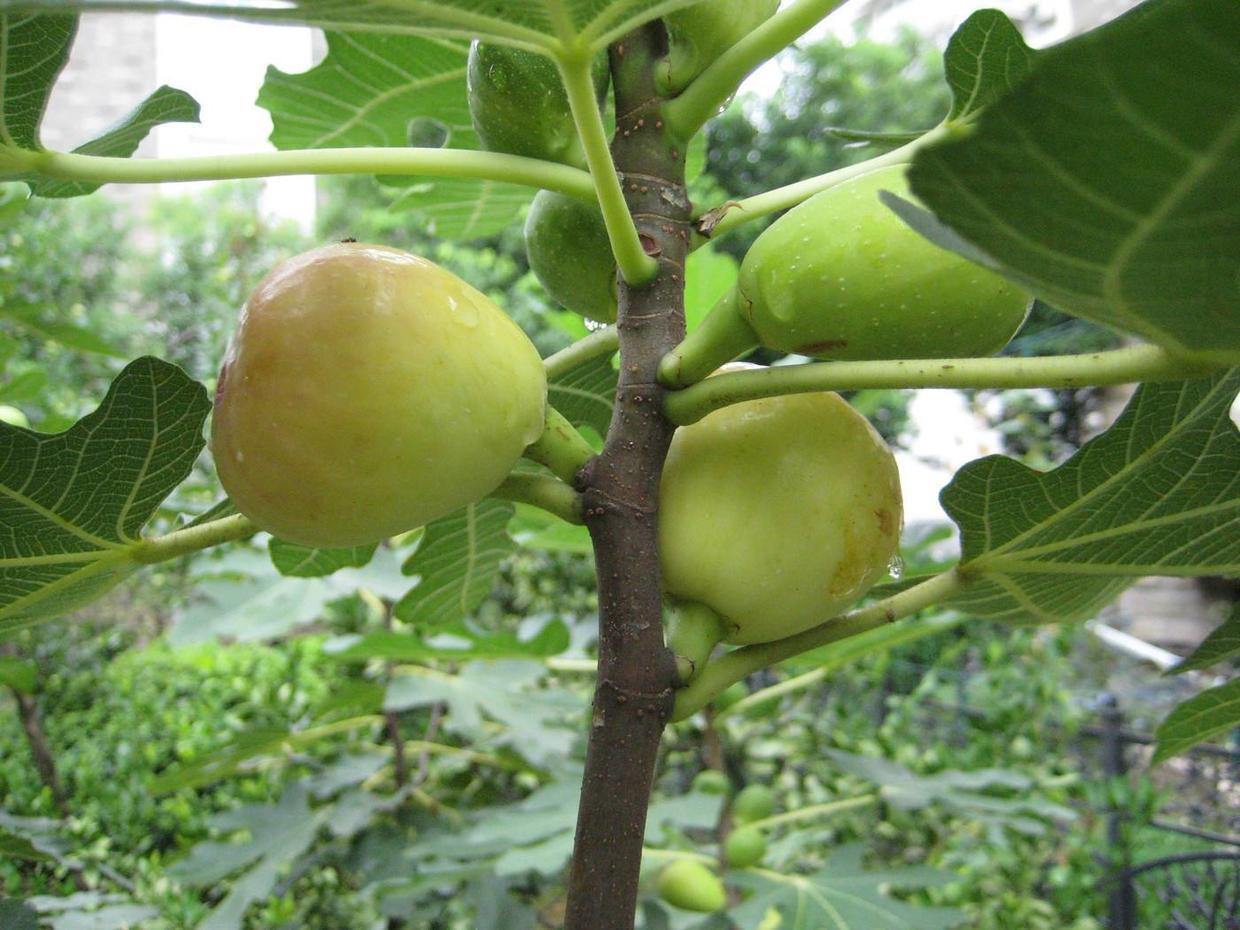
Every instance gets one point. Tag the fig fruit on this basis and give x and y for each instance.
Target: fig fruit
(778, 513)
(698, 34)
(568, 249)
(367, 392)
(745, 846)
(754, 802)
(518, 104)
(841, 277)
(691, 886)
(711, 781)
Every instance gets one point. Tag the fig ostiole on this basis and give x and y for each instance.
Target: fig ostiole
(569, 251)
(519, 106)
(367, 392)
(778, 513)
(842, 278)
(691, 886)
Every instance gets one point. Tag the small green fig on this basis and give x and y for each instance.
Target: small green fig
(778, 513)
(367, 392)
(13, 417)
(754, 802)
(568, 249)
(698, 34)
(842, 278)
(691, 886)
(744, 847)
(711, 781)
(519, 106)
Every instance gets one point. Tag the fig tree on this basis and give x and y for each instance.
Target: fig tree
(691, 886)
(778, 513)
(754, 802)
(367, 392)
(841, 277)
(518, 104)
(745, 846)
(698, 34)
(568, 249)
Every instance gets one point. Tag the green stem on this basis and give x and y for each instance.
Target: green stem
(712, 89)
(845, 652)
(1142, 363)
(734, 666)
(826, 809)
(550, 494)
(561, 448)
(722, 336)
(192, 539)
(636, 267)
(724, 219)
(603, 341)
(457, 163)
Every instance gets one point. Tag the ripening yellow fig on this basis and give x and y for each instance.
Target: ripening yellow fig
(367, 392)
(778, 513)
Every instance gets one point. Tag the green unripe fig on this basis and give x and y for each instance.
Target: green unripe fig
(744, 847)
(691, 886)
(698, 34)
(518, 104)
(367, 392)
(13, 417)
(568, 249)
(755, 802)
(778, 513)
(711, 781)
(842, 278)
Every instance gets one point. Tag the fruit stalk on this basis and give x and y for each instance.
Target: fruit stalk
(636, 673)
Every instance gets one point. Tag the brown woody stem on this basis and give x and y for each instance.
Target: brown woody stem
(636, 672)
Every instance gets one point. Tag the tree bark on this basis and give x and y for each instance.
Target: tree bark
(636, 673)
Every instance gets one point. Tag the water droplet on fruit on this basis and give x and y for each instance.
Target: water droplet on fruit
(895, 567)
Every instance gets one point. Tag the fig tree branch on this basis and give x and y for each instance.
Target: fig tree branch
(543, 491)
(1134, 364)
(427, 162)
(735, 665)
(603, 341)
(725, 218)
(636, 267)
(712, 89)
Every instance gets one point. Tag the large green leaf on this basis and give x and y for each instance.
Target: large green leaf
(585, 393)
(536, 23)
(842, 896)
(457, 562)
(986, 57)
(1106, 182)
(457, 643)
(33, 51)
(1157, 494)
(72, 505)
(1211, 714)
(379, 90)
(298, 561)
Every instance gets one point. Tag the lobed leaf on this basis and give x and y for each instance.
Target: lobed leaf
(985, 58)
(72, 505)
(1105, 182)
(584, 395)
(1222, 644)
(297, 561)
(1157, 494)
